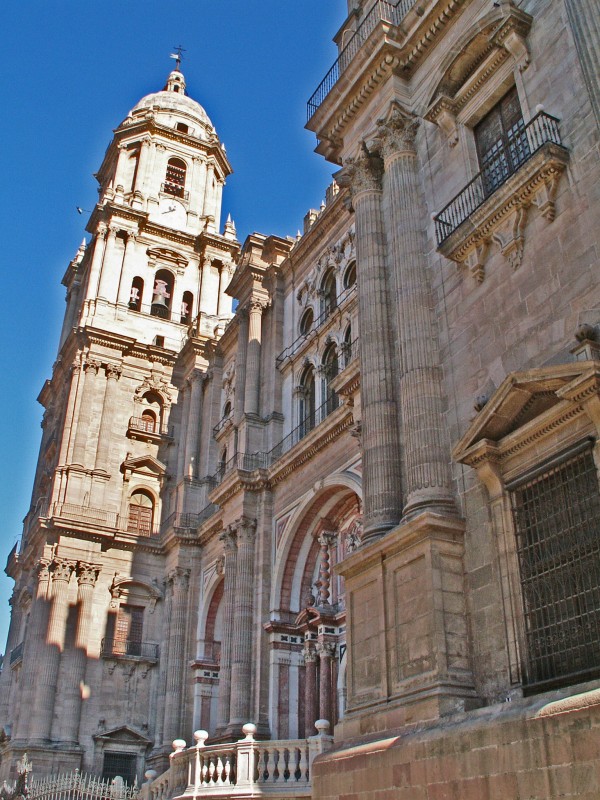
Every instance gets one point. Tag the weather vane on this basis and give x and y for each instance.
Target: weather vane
(177, 55)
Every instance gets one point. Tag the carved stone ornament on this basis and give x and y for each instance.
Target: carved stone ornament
(353, 537)
(121, 585)
(309, 654)
(246, 528)
(113, 371)
(154, 383)
(92, 366)
(62, 569)
(396, 133)
(326, 649)
(179, 578)
(361, 174)
(87, 574)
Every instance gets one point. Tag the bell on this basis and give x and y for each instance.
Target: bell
(159, 307)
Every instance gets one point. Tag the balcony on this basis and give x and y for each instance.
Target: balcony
(90, 517)
(147, 430)
(382, 11)
(129, 648)
(523, 169)
(245, 768)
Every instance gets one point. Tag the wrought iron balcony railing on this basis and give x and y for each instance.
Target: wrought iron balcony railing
(16, 654)
(301, 430)
(382, 11)
(507, 157)
(222, 423)
(317, 323)
(123, 647)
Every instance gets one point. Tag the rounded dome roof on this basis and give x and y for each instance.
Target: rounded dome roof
(173, 100)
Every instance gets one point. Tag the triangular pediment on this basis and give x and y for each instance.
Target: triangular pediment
(145, 464)
(124, 734)
(521, 398)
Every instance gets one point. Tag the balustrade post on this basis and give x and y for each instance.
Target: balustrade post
(246, 758)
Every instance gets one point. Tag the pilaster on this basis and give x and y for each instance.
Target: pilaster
(178, 581)
(229, 540)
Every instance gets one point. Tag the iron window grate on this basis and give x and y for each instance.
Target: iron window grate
(557, 522)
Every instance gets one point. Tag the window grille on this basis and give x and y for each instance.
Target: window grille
(120, 765)
(557, 521)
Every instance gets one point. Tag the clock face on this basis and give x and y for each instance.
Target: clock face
(171, 213)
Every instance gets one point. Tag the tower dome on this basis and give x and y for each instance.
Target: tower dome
(172, 104)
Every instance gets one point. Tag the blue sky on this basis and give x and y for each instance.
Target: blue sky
(72, 70)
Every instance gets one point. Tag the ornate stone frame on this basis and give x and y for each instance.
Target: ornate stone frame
(533, 416)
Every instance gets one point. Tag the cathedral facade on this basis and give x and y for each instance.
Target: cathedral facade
(331, 502)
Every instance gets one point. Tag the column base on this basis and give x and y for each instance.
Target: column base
(407, 628)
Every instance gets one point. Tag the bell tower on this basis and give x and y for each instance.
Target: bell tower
(102, 571)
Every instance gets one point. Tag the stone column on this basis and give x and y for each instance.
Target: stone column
(326, 540)
(310, 691)
(585, 26)
(240, 366)
(380, 423)
(13, 639)
(125, 285)
(108, 266)
(143, 165)
(326, 651)
(87, 574)
(97, 256)
(252, 389)
(193, 426)
(178, 580)
(84, 417)
(229, 540)
(425, 452)
(49, 663)
(241, 651)
(33, 648)
(113, 373)
(184, 399)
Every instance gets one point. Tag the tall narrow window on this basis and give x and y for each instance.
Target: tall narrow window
(501, 141)
(331, 369)
(556, 514)
(141, 514)
(306, 322)
(136, 294)
(129, 629)
(187, 305)
(175, 178)
(306, 409)
(162, 294)
(328, 293)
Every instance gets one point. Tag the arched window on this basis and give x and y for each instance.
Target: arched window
(227, 409)
(162, 294)
(175, 178)
(328, 293)
(148, 421)
(350, 275)
(136, 294)
(140, 513)
(306, 408)
(187, 306)
(347, 345)
(306, 322)
(331, 369)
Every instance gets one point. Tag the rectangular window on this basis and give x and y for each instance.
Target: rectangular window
(128, 631)
(121, 765)
(557, 521)
(501, 140)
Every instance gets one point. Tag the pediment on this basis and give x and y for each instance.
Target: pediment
(144, 465)
(124, 734)
(524, 397)
(166, 256)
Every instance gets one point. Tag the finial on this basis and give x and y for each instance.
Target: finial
(177, 55)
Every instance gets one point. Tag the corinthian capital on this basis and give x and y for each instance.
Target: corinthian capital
(246, 528)
(87, 574)
(179, 578)
(361, 174)
(62, 569)
(396, 133)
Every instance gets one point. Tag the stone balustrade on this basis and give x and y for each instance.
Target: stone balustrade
(277, 768)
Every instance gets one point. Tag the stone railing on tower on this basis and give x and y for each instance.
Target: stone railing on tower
(245, 768)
